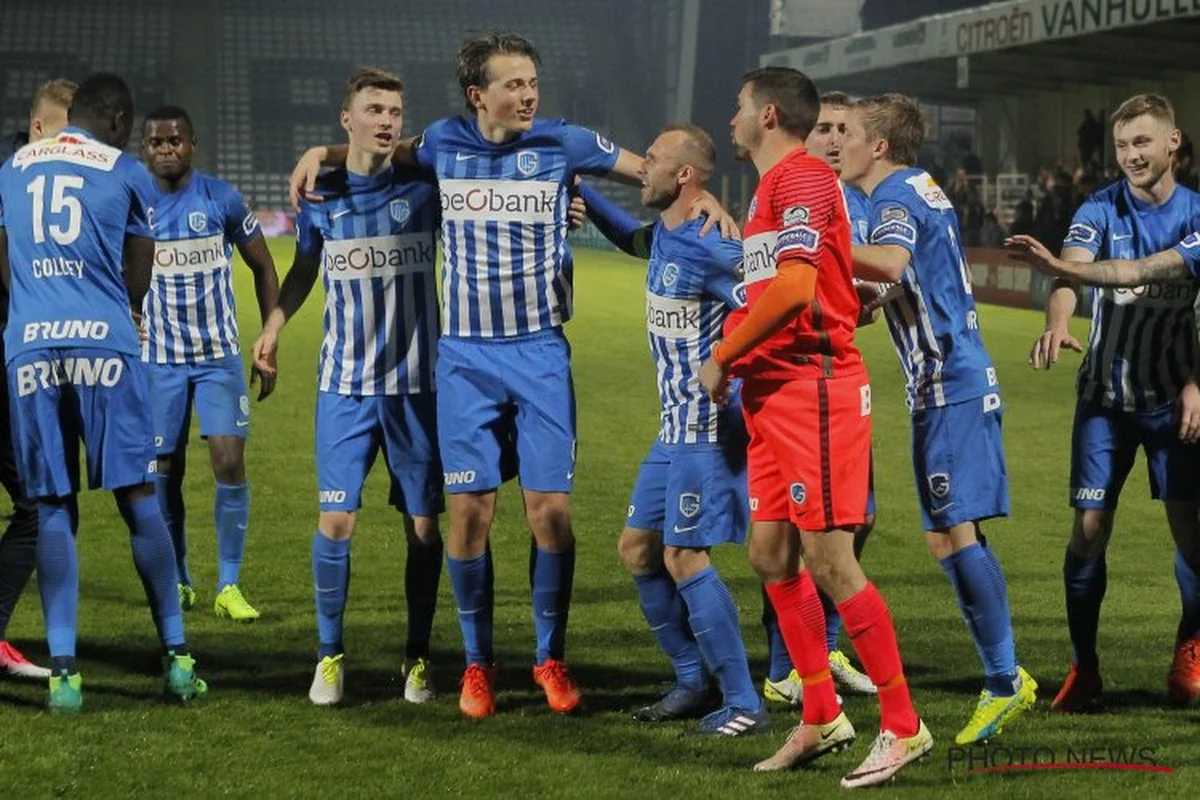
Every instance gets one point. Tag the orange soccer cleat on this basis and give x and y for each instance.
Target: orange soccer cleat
(478, 696)
(1080, 691)
(562, 693)
(1183, 681)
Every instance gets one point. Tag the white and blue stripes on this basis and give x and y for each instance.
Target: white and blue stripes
(507, 269)
(375, 239)
(189, 312)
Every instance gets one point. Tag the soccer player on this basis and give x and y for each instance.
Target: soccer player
(76, 258)
(1139, 366)
(373, 242)
(807, 402)
(192, 346)
(953, 393)
(18, 546)
(1161, 275)
(783, 684)
(503, 360)
(690, 493)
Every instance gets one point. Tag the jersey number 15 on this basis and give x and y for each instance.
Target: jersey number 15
(61, 202)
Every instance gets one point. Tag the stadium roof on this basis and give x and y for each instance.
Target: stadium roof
(1011, 47)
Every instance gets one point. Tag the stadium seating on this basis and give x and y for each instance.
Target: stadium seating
(43, 40)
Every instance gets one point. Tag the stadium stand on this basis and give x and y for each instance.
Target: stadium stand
(70, 38)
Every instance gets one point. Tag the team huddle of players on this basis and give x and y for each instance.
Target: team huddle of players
(122, 317)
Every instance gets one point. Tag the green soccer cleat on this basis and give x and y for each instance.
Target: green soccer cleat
(66, 693)
(187, 597)
(230, 604)
(180, 681)
(991, 713)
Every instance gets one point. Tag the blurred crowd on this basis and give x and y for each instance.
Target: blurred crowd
(1050, 202)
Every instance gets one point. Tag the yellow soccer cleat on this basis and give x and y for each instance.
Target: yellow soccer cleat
(789, 691)
(991, 713)
(230, 604)
(187, 597)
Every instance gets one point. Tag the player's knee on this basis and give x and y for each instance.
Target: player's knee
(422, 531)
(683, 562)
(549, 517)
(165, 466)
(131, 494)
(229, 465)
(938, 545)
(1089, 537)
(767, 562)
(336, 525)
(638, 552)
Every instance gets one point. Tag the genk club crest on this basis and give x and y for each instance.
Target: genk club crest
(399, 211)
(198, 221)
(527, 162)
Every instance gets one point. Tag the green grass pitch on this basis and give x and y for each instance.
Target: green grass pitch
(256, 734)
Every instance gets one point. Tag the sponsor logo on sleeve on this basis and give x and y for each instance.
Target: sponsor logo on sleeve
(795, 215)
(799, 237)
(894, 230)
(605, 144)
(1081, 234)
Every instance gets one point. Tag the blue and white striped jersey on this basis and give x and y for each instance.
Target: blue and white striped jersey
(506, 267)
(934, 324)
(376, 240)
(1142, 343)
(858, 211)
(189, 312)
(67, 204)
(691, 285)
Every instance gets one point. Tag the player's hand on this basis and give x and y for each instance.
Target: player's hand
(715, 381)
(708, 205)
(576, 213)
(1045, 350)
(143, 334)
(1188, 411)
(265, 367)
(1032, 252)
(304, 177)
(870, 296)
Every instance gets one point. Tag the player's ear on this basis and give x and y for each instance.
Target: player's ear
(344, 119)
(475, 97)
(1174, 140)
(35, 129)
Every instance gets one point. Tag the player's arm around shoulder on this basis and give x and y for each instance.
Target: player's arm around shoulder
(893, 223)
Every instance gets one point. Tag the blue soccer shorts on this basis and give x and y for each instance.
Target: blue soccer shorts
(351, 429)
(694, 494)
(1104, 444)
(958, 461)
(504, 401)
(60, 396)
(217, 388)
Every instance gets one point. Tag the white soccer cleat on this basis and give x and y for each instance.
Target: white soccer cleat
(846, 678)
(418, 682)
(12, 662)
(328, 680)
(888, 755)
(807, 743)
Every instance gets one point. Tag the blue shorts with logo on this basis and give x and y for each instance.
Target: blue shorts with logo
(1104, 444)
(216, 388)
(351, 429)
(958, 460)
(695, 494)
(505, 407)
(61, 396)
